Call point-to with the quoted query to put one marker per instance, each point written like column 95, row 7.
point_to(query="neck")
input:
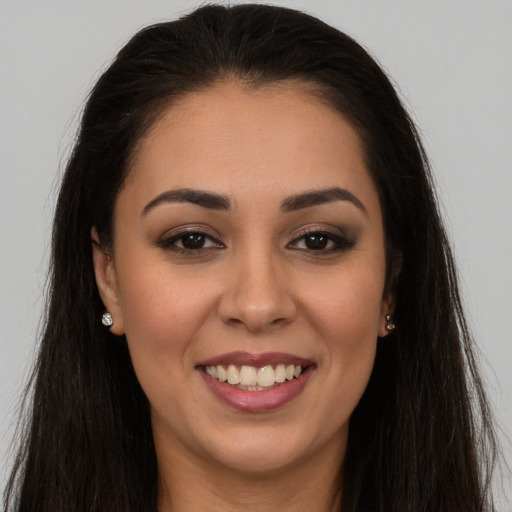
column 189, row 484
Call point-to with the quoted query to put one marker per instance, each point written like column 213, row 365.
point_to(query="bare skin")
column 258, row 265
column 309, row 485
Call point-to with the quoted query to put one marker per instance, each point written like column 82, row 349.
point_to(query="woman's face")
column 249, row 242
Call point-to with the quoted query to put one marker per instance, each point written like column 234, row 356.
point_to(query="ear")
column 389, row 299
column 386, row 317
column 106, row 280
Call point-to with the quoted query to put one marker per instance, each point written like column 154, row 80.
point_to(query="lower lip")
column 258, row 400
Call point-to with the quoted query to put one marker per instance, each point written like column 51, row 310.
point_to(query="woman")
column 253, row 303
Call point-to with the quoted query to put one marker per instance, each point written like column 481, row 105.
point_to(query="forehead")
column 236, row 138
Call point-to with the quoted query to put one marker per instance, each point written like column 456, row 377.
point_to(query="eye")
column 320, row 242
column 189, row 241
column 317, row 241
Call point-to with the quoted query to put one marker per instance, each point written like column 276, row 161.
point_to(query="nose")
column 257, row 295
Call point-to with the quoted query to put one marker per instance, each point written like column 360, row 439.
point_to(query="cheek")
column 162, row 318
column 347, row 304
column 347, row 314
column 162, row 314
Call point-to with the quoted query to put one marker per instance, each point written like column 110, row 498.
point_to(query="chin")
column 258, row 461
column 256, row 452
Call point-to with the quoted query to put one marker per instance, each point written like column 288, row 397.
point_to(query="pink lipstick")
column 256, row 382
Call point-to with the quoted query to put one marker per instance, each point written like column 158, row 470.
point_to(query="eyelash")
column 170, row 242
column 340, row 242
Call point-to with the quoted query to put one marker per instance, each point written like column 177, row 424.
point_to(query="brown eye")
column 193, row 241
column 316, row 241
column 321, row 243
column 190, row 241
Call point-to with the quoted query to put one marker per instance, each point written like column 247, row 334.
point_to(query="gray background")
column 453, row 65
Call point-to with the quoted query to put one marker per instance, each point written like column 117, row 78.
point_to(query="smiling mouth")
column 253, row 378
column 256, row 382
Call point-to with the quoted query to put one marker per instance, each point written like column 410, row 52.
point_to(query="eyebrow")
column 188, row 195
column 318, row 197
column 214, row 201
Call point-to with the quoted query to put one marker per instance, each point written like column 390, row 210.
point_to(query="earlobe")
column 387, row 324
column 106, row 280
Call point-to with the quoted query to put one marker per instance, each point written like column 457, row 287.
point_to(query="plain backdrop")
column 451, row 60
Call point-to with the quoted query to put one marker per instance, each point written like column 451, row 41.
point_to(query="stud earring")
column 107, row 320
column 389, row 323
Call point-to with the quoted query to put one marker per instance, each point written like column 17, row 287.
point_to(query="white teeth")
column 233, row 375
column 266, row 376
column 252, row 378
column 248, row 376
column 222, row 374
column 280, row 373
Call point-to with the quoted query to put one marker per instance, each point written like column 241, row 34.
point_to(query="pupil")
column 193, row 241
column 316, row 241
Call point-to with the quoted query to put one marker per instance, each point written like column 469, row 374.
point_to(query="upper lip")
column 257, row 360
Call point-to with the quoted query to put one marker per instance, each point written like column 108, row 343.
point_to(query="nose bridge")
column 256, row 293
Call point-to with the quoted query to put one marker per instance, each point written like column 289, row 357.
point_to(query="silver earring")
column 389, row 323
column 107, row 320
